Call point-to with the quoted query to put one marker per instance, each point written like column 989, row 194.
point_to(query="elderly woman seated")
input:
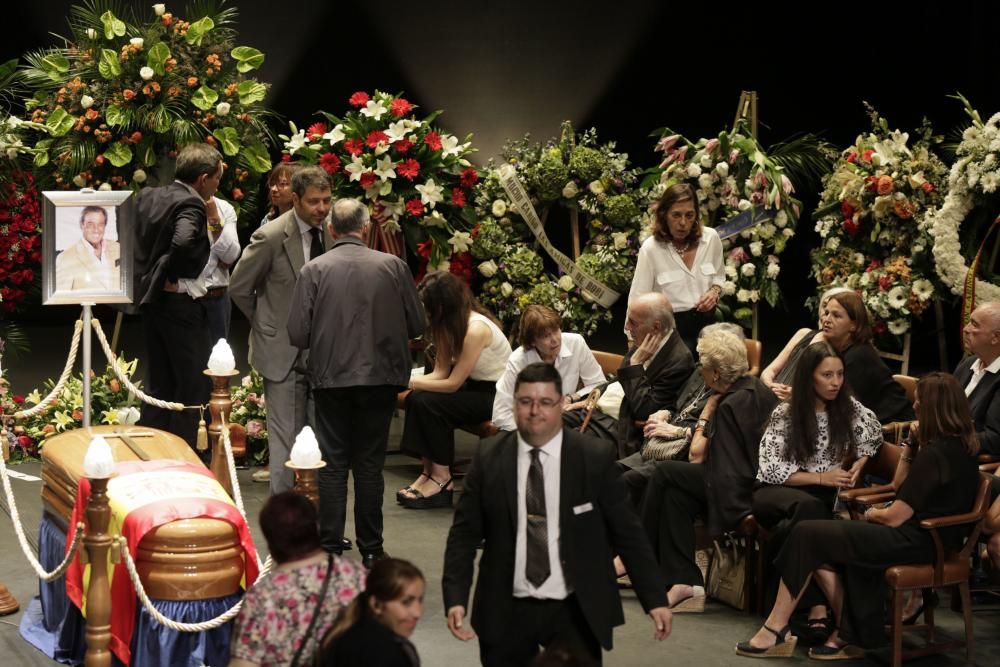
column 716, row 482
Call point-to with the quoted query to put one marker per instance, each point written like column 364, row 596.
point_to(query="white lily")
column 393, row 209
column 397, row 130
column 296, row 142
column 336, row 135
column 430, row 192
column 384, row 169
column 460, row 242
column 355, row 168
column 451, row 146
column 374, row 109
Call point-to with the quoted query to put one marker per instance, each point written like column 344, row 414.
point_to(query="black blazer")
column 588, row 540
column 984, row 404
column 171, row 239
column 647, row 391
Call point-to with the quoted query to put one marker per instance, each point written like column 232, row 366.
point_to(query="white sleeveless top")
column 493, row 359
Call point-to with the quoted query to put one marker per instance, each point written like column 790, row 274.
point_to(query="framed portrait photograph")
column 87, row 247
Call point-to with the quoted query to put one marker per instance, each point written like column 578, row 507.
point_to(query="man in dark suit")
column 355, row 309
column 550, row 510
column 172, row 246
column 978, row 373
column 261, row 286
column 655, row 370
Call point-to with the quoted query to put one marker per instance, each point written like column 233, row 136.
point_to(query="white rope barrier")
column 237, row 493
column 25, row 547
column 57, row 389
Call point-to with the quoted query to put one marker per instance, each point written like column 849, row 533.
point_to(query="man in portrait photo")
column 94, row 262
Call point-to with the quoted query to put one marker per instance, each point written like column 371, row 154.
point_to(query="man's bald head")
column 982, row 333
column 648, row 314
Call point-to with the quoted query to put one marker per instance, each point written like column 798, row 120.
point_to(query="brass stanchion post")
column 221, row 403
column 97, row 543
column 306, row 480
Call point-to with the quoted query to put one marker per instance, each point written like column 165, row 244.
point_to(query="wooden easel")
column 747, row 109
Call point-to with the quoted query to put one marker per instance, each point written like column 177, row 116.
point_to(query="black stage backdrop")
column 500, row 69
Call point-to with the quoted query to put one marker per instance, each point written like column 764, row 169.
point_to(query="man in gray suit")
column 261, row 286
column 355, row 309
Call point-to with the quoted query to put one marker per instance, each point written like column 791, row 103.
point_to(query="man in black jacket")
column 172, row 247
column 978, row 374
column 550, row 510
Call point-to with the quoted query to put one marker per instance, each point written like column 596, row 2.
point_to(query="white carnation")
column 722, row 169
column 693, row 171
column 731, row 271
column 705, row 161
column 781, row 219
column 566, row 283
column 756, row 248
column 499, row 208
column 570, row 190
column 773, row 269
column 705, row 181
column 766, row 230
column 728, row 288
column 748, row 270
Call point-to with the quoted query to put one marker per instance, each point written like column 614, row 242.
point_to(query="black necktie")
column 316, row 247
column 537, row 569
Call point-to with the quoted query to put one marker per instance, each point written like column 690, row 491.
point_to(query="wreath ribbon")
column 969, row 291
column 591, row 287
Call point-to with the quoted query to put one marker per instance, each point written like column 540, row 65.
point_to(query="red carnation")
column 376, row 137
column 316, row 131
column 927, row 187
column 851, row 227
column 402, row 146
column 415, row 207
column 433, row 139
column 359, row 99
column 458, row 197
column 423, row 249
column 354, row 146
column 400, row 107
column 368, row 179
column 867, row 155
column 408, row 169
column 852, row 157
column 329, row 162
column 469, row 177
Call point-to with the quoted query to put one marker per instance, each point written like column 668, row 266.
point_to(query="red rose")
column 469, row 177
column 847, row 210
column 24, row 441
column 354, row 146
column 851, row 227
column 927, row 187
column 368, row 179
column 359, row 99
column 415, row 207
column 433, row 139
column 904, row 209
column 375, row 138
column 329, row 162
column 852, row 157
column 402, row 146
column 286, row 158
column 408, row 169
column 17, row 398
column 884, row 283
column 316, row 131
column 458, row 197
column 400, row 107
column 872, row 182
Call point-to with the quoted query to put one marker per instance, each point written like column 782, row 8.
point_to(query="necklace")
column 687, row 412
column 680, row 251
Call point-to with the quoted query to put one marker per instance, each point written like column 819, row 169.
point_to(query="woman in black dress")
column 375, row 629
column 848, row 558
column 814, row 444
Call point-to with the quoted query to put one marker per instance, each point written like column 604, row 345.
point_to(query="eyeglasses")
column 543, row 403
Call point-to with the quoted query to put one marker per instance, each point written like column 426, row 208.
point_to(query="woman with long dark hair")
column 814, row 444
column 848, row 559
column 470, row 354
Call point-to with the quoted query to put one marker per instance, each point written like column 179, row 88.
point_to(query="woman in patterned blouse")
column 276, row 626
column 814, row 444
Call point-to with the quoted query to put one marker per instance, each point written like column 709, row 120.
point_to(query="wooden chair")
column 754, row 349
column 946, row 570
column 882, row 466
column 609, row 362
column 909, row 385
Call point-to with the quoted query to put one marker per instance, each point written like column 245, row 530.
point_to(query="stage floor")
column 705, row 639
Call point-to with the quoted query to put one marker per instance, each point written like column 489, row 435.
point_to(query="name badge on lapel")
column 586, row 507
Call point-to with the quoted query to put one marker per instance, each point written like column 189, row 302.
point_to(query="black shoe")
column 931, row 600
column 368, row 560
column 347, row 545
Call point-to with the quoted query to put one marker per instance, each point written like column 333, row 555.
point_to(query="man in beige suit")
column 261, row 286
column 92, row 263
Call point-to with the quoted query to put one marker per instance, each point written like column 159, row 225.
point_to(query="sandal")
column 783, row 648
column 693, row 604
column 818, row 630
column 419, row 501
column 845, row 652
column 409, row 489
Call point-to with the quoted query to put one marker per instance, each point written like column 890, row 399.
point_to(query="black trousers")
column 219, row 310
column 690, row 323
column 675, row 497
column 635, row 475
column 431, row 419
column 177, row 347
column 352, row 426
column 542, row 623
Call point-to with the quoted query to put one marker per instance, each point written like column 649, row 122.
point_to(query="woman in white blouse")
column 542, row 339
column 683, row 260
column 814, row 444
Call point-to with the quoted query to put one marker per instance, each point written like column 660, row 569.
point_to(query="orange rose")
column 885, row 185
column 48, row 428
column 192, row 81
column 903, row 209
column 128, row 94
column 115, row 385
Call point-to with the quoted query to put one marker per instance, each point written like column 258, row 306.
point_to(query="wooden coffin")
column 188, row 559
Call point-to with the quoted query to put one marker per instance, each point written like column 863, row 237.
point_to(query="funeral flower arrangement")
column 20, row 236
column 126, row 93
column 973, row 182
column 871, row 222
column 250, row 410
column 416, row 179
column 734, row 176
column 111, row 403
column 576, row 174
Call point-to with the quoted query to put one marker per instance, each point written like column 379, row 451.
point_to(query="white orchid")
column 355, row 168
column 430, row 193
column 374, row 109
column 460, row 242
column 336, row 135
column 384, row 169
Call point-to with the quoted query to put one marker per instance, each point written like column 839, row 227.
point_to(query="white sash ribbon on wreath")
column 591, row 287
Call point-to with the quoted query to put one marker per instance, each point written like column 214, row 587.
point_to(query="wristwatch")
column 700, row 425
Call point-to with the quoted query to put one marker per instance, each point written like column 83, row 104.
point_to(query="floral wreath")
column 732, row 175
column 579, row 175
column 872, row 224
column 975, row 174
column 416, row 179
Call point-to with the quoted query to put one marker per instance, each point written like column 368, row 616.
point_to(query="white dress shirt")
column 660, row 269
column 225, row 249
column 978, row 371
column 555, row 587
column 575, row 363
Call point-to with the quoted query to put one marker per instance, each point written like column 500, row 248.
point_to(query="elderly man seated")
column 978, row 374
